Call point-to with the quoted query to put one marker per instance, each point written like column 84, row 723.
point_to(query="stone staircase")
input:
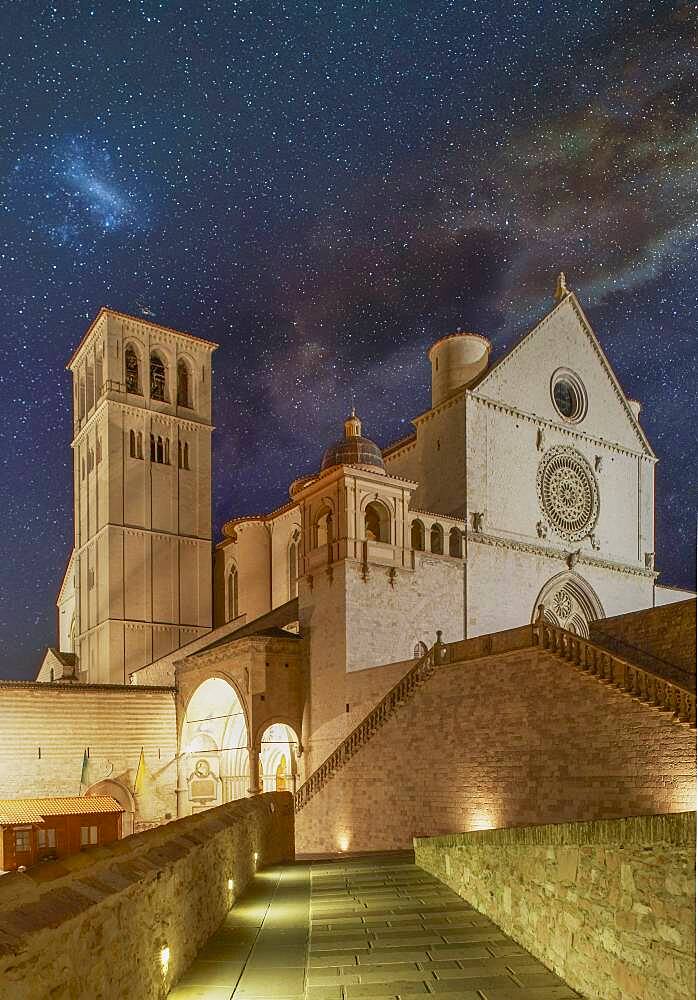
column 358, row 737
column 610, row 668
column 589, row 657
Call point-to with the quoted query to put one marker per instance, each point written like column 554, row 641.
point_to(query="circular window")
column 568, row 494
column 569, row 395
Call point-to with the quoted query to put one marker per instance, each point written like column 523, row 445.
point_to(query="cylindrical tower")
column 456, row 361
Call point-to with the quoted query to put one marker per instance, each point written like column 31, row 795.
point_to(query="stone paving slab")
column 361, row 929
column 401, row 934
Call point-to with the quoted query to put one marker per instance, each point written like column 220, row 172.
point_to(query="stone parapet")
column 608, row 905
column 127, row 920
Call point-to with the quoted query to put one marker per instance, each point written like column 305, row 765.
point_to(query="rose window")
column 568, row 493
column 562, row 605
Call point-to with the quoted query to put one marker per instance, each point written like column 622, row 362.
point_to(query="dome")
column 353, row 449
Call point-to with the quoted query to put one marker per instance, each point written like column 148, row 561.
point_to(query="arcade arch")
column 123, row 796
column 278, row 758
column 214, row 748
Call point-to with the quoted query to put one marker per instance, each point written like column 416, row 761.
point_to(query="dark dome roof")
column 353, row 449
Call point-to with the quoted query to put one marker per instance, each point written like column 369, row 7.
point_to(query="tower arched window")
column 233, row 607
column 152, row 447
column 323, row 527
column 183, row 384
column 167, row 451
column 437, row 539
column 179, row 455
column 186, row 454
column 139, row 444
column 418, row 535
column 90, row 387
column 159, row 451
column 158, row 378
column 455, row 543
column 133, row 375
column 377, row 522
column 132, row 444
column 293, row 570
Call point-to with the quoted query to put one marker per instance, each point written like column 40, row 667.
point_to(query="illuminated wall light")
column 256, row 858
column 231, row 885
column 343, row 842
column 165, row 959
column 482, row 821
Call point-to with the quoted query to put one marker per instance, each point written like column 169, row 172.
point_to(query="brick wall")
column 508, row 739
column 94, row 925
column 662, row 638
column 609, row 906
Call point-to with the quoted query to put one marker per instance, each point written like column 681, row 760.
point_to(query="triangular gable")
column 564, row 339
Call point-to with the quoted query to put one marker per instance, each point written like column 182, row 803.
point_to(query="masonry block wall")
column 662, row 635
column 609, row 906
column 505, row 740
column 95, row 925
column 48, row 728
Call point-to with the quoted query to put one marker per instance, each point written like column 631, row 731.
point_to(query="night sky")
column 325, row 189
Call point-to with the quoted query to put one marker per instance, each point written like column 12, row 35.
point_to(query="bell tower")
column 142, row 493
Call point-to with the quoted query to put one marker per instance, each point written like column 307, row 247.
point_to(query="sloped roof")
column 67, row 659
column 36, row 810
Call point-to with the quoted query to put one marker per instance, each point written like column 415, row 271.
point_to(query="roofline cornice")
column 106, row 311
column 563, row 429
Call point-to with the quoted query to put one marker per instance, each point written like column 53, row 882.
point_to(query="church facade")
column 526, row 491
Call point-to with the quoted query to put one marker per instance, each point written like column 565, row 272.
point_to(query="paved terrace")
column 361, row 929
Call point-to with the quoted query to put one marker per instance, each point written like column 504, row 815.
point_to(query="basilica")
column 525, row 493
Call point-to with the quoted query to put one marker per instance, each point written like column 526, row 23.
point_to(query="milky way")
column 324, row 190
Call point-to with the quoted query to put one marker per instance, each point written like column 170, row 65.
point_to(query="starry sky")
column 325, row 189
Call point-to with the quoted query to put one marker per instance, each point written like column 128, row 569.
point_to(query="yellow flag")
column 141, row 773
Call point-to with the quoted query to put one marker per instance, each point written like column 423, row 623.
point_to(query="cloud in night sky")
column 74, row 191
column 604, row 189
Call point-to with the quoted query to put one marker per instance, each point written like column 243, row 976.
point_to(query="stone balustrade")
column 666, row 695
column 359, row 736
column 599, row 662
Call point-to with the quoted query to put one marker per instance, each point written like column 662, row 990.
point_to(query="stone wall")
column 609, row 906
column 507, row 739
column 94, row 926
column 47, row 729
column 660, row 638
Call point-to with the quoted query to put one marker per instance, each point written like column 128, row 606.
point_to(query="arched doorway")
column 567, row 600
column 214, row 756
column 278, row 758
column 123, row 796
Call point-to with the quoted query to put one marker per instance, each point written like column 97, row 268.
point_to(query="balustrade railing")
column 612, row 669
column 608, row 667
column 377, row 717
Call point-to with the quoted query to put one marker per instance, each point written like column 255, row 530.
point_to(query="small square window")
column 23, row 841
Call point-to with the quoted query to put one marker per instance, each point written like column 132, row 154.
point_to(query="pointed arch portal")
column 567, row 600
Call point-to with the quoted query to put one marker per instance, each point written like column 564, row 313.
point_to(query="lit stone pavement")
column 370, row 928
